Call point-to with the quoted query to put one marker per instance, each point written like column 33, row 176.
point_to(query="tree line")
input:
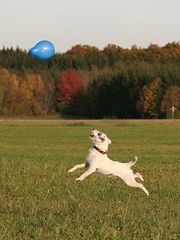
column 88, row 82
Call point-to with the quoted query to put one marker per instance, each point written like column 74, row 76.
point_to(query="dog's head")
column 100, row 139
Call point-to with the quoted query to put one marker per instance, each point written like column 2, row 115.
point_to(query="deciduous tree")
column 147, row 102
column 70, row 85
column 171, row 98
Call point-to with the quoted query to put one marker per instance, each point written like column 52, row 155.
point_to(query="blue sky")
column 93, row 22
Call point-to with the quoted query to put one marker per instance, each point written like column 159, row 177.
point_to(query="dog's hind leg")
column 133, row 183
column 138, row 175
column 140, row 185
column 83, row 165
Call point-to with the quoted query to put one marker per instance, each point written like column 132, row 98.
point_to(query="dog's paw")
column 147, row 193
column 79, row 179
column 70, row 170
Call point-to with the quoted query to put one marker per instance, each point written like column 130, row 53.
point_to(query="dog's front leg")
column 87, row 173
column 77, row 167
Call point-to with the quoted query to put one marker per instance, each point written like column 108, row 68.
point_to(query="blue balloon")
column 43, row 49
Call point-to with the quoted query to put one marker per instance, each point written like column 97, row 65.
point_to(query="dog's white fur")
column 97, row 160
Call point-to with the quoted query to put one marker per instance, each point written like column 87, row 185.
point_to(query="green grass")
column 40, row 200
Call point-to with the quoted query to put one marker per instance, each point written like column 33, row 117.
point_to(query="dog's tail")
column 134, row 161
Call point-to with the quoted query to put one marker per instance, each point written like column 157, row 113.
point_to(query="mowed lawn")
column 39, row 199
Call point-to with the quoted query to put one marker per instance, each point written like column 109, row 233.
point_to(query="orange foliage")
column 29, row 95
column 147, row 99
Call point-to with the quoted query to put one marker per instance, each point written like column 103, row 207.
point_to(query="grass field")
column 40, row 200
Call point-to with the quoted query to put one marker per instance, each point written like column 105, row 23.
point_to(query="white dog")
column 97, row 160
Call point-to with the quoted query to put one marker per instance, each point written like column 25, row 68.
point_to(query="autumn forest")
column 87, row 82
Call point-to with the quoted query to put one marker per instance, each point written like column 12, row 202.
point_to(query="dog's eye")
column 99, row 134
